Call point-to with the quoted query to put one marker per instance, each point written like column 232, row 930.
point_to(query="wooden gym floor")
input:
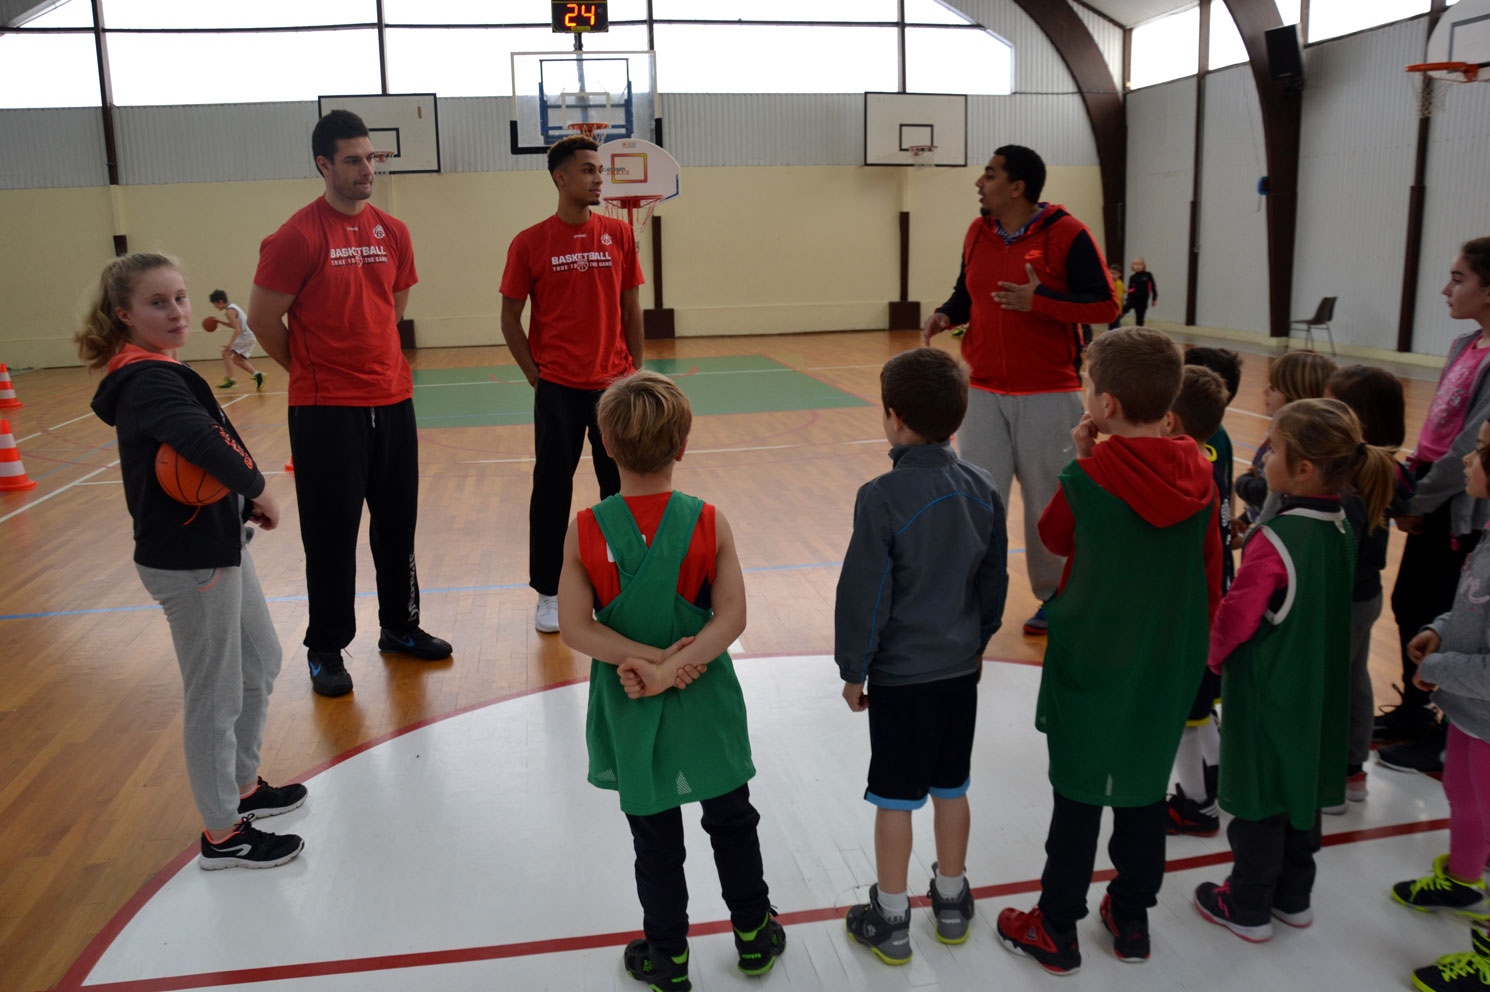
column 93, row 794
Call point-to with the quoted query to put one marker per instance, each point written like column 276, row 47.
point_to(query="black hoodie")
column 149, row 399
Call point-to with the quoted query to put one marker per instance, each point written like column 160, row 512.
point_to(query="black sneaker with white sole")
column 328, row 673
column 415, row 643
column 249, row 847
column 1425, row 755
column 271, row 800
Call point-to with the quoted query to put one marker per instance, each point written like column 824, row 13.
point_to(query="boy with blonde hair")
column 651, row 589
column 921, row 592
column 1135, row 519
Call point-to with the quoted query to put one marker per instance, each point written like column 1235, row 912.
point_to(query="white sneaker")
column 546, row 617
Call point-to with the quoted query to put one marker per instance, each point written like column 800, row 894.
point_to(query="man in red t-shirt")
column 581, row 270
column 340, row 270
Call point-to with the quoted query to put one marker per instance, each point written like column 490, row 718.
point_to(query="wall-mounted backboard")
column 552, row 90
column 895, row 122
column 406, row 124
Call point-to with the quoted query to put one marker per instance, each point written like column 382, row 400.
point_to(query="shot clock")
column 577, row 18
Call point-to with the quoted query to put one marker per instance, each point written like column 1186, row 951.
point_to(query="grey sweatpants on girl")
column 229, row 656
column 1362, row 700
column 1028, row 437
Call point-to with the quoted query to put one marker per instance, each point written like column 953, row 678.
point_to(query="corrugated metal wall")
column 1359, row 138
column 1161, row 153
column 217, row 143
column 52, row 148
column 1232, row 287
column 1109, row 38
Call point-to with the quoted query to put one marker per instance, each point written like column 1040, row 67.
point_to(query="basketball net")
column 588, row 128
column 383, row 179
column 922, row 156
column 634, row 210
column 1432, row 92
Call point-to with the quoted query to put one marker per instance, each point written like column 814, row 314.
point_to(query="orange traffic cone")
column 8, row 399
column 290, row 465
column 12, row 472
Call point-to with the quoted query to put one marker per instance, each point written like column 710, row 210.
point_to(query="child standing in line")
column 921, row 592
column 1297, row 375
column 1283, row 637
column 1124, row 659
column 193, row 560
column 236, row 353
column 1376, row 398
column 651, row 589
column 1453, row 658
column 1197, row 415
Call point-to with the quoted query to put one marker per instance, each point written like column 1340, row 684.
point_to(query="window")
column 775, row 10
column 181, row 14
column 1332, row 18
column 946, row 60
column 48, row 70
column 1167, row 48
column 1226, row 45
column 701, row 58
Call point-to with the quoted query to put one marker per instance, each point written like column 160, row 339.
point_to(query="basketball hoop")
column 635, row 210
column 922, row 156
column 588, row 128
column 1430, row 97
column 381, row 161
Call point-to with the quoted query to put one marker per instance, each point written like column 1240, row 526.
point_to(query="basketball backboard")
column 552, row 90
column 1462, row 35
column 894, row 123
column 406, row 124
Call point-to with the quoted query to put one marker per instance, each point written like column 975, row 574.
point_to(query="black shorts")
column 1205, row 699
column 921, row 741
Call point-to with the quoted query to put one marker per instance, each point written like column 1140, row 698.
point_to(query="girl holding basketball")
column 175, row 444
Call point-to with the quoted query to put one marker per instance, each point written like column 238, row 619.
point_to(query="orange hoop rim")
column 588, row 128
column 633, row 202
column 1469, row 70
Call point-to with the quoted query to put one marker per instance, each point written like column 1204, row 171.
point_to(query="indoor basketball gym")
column 800, row 175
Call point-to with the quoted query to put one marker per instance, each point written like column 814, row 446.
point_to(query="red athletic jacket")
column 1040, row 351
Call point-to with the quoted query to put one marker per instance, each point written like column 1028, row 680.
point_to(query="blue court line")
column 363, row 595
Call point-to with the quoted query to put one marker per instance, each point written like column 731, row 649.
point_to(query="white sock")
column 949, row 887
column 1210, row 741
column 1187, row 765
column 894, row 906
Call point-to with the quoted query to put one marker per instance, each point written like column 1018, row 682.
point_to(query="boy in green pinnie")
column 652, row 591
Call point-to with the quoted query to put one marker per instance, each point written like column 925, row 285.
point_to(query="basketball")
column 185, row 482
column 209, row 324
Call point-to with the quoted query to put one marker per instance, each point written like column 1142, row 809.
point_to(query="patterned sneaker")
column 1130, row 942
column 258, row 382
column 249, row 847
column 952, row 915
column 328, row 673
column 227, row 384
column 1036, row 626
column 1213, row 902
column 1187, row 816
column 759, row 948
column 1466, row 972
column 1441, row 891
column 661, row 972
column 416, row 643
column 890, row 942
column 1025, row 933
column 271, row 800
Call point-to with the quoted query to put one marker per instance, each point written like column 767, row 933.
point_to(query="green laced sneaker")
column 1441, row 891
column 661, row 972
column 759, row 948
column 1466, row 972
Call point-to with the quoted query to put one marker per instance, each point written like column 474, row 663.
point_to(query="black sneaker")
column 271, row 800
column 890, row 942
column 661, row 972
column 258, row 382
column 1425, row 755
column 1025, row 933
column 1402, row 723
column 328, row 673
column 416, row 643
column 759, row 948
column 249, row 847
column 1213, row 902
column 1466, row 972
column 1130, row 940
column 1440, row 890
column 953, row 916
column 1187, row 816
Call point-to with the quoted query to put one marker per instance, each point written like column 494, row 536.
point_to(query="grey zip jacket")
column 924, row 578
column 1461, row 665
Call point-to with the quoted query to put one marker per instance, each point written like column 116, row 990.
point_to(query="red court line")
column 495, row 952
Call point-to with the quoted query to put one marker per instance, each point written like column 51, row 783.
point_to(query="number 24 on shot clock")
column 572, row 18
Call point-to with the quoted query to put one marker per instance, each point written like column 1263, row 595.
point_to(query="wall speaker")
column 1285, row 60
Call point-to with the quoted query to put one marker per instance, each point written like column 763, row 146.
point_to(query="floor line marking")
column 42, row 499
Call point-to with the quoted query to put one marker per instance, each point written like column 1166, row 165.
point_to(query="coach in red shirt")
column 581, row 271
column 340, row 270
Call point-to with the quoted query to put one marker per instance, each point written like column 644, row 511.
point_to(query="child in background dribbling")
column 1297, row 375
column 193, row 560
column 651, row 589
column 1375, row 395
column 1197, row 414
column 1281, row 641
column 1453, row 658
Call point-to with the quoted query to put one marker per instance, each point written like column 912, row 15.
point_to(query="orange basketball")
column 209, row 324
column 185, row 482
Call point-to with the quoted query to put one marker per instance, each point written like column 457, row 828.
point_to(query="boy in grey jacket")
column 921, row 592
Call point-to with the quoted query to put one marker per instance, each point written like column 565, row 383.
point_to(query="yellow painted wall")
column 748, row 250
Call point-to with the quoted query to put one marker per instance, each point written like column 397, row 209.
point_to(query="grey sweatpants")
column 1362, row 701
column 229, row 656
column 1028, row 437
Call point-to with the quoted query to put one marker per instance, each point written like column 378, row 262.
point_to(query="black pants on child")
column 1274, row 867
column 1427, row 579
column 1136, row 849
column 662, row 887
column 562, row 417
column 345, row 456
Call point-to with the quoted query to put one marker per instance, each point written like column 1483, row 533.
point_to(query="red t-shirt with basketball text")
column 575, row 275
column 343, row 271
column 694, row 578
